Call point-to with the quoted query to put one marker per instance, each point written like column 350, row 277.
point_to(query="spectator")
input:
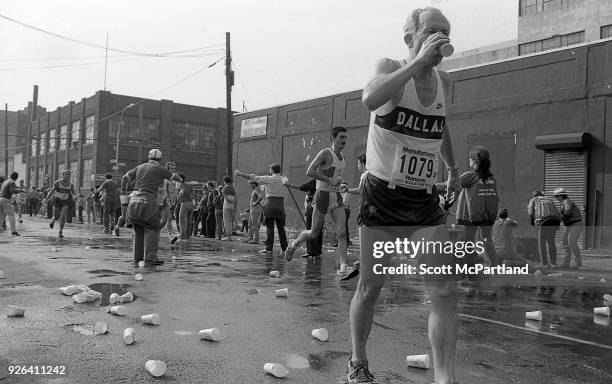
column 211, row 221
column 543, row 213
column 478, row 201
column 202, row 213
column 255, row 207
column 229, row 200
column 572, row 223
column 185, row 198
column 314, row 247
column 90, row 207
column 502, row 235
column 218, row 203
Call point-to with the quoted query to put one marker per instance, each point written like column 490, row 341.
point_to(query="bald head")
column 414, row 22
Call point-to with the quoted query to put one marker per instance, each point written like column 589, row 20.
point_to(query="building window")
column 87, row 173
column 50, row 176
column 33, row 182
column 63, row 137
column 549, row 4
column 551, row 43
column 74, row 173
column 61, row 167
column 76, row 131
column 52, row 138
column 34, row 147
column 528, row 7
column 90, row 121
column 195, row 137
column 42, row 148
column 606, row 31
column 41, row 177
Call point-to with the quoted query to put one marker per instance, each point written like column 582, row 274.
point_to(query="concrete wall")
column 578, row 15
column 503, row 106
column 482, row 55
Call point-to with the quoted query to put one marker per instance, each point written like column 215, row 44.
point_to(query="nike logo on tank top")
column 404, row 141
column 336, row 169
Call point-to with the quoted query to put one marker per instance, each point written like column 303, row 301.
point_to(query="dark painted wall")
column 503, row 106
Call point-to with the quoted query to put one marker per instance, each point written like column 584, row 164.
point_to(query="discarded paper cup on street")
column 128, row 336
column 533, row 324
column 534, row 315
column 117, row 310
column 320, row 333
column 15, row 311
column 73, row 289
column 155, row 367
column 100, row 328
column 607, row 297
column 418, row 361
column 152, row 319
column 274, row 274
column 602, row 311
column 211, row 334
column 275, row 370
column 141, row 263
column 138, row 276
column 601, row 320
column 86, row 297
column 603, row 280
column 114, row 298
column 126, row 298
column 282, row 292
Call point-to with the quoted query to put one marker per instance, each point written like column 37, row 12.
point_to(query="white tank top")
column 404, row 141
column 336, row 169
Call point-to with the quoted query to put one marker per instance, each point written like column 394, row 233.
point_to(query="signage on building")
column 253, row 127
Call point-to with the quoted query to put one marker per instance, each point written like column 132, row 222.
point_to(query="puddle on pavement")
column 108, row 272
column 83, row 329
column 109, row 288
column 315, row 361
column 297, row 361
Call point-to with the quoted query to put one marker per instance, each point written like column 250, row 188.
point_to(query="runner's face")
column 360, row 166
column 432, row 22
column 340, row 140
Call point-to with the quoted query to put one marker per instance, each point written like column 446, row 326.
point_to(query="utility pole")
column 105, row 61
column 229, row 82
column 33, row 116
column 139, row 136
column 6, row 139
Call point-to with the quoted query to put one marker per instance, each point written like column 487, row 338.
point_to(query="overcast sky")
column 283, row 50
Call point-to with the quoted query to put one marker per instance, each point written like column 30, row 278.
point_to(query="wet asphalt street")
column 206, row 284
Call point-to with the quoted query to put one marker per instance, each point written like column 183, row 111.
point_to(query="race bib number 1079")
column 415, row 168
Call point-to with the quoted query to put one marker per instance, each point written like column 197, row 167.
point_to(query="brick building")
column 81, row 136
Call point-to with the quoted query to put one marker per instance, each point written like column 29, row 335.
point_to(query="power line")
column 97, row 45
column 240, row 81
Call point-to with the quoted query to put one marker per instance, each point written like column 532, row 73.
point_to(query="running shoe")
column 358, row 373
column 60, row 235
column 117, row 231
column 51, row 224
column 15, row 234
column 174, row 239
column 253, row 242
column 347, row 273
column 290, row 251
column 265, row 252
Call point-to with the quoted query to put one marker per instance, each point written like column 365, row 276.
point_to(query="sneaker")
column 358, row 373
column 347, row 273
column 265, row 252
column 60, row 235
column 15, row 234
column 290, row 251
column 307, row 255
column 117, row 231
column 253, row 242
column 51, row 224
column 174, row 239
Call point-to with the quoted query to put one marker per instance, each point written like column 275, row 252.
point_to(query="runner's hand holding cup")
column 431, row 47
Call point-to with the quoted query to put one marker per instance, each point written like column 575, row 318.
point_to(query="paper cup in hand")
column 138, row 276
column 15, row 311
column 211, row 334
column 275, row 370
column 282, row 292
column 100, row 328
column 152, row 319
column 274, row 274
column 320, row 333
column 128, row 336
column 113, row 298
column 155, row 367
column 535, row 315
column 602, row 311
column 418, row 361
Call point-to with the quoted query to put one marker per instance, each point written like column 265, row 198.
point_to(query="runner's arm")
column 446, row 150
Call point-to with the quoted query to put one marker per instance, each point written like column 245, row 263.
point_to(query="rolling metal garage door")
column 567, row 169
